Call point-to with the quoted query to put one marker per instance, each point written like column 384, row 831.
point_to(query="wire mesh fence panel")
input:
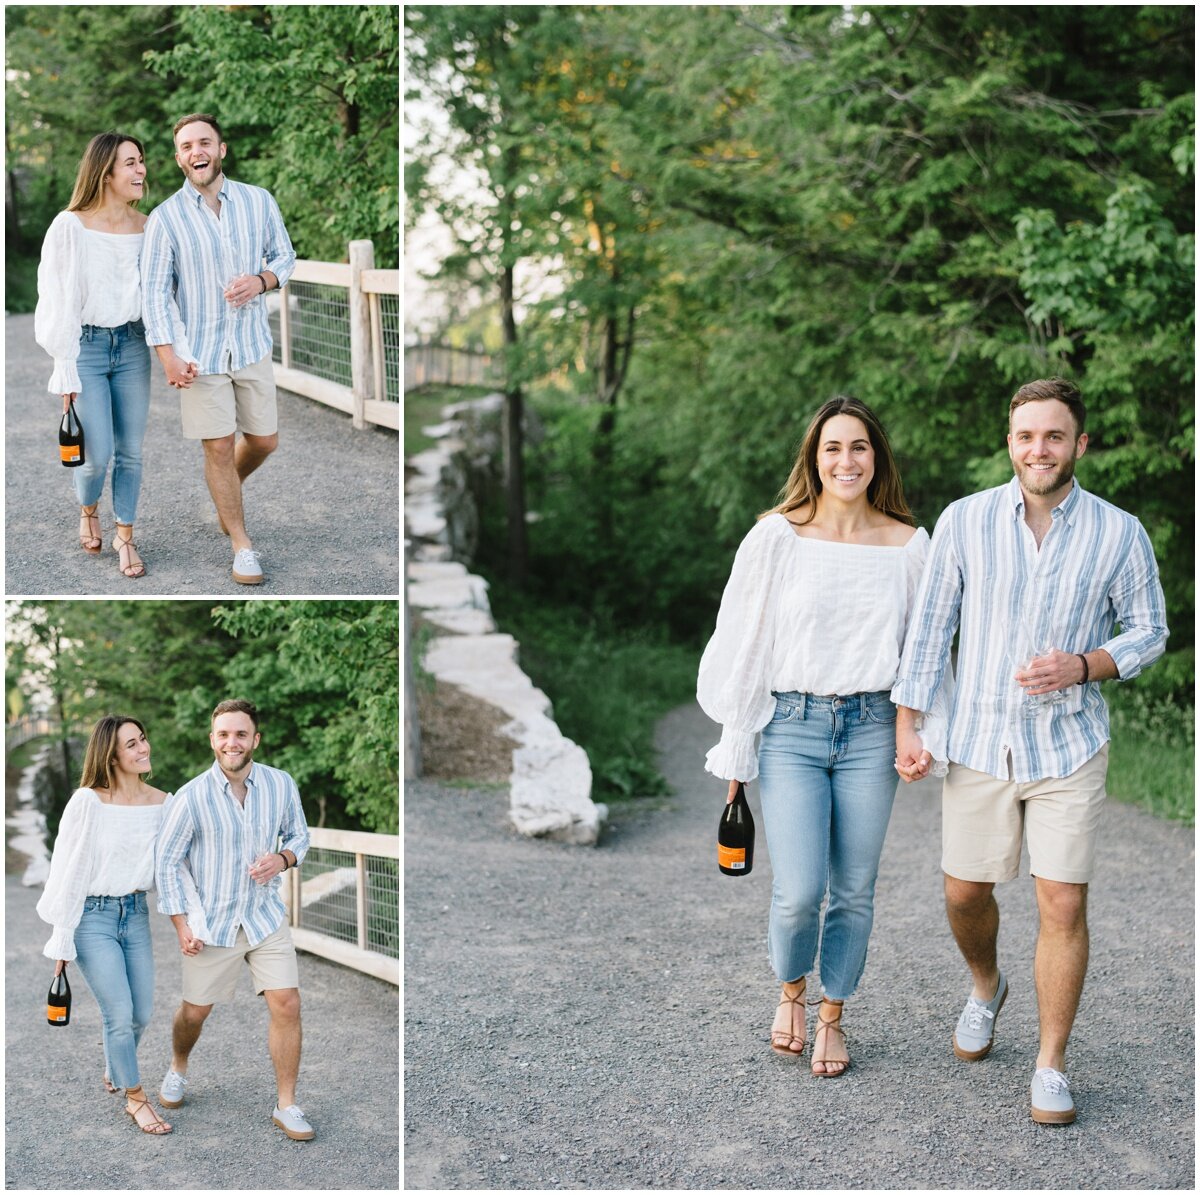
column 319, row 319
column 389, row 313
column 329, row 894
column 329, row 898
column 383, row 906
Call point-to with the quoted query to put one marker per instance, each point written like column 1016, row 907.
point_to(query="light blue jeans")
column 113, row 406
column 113, row 950
column 826, row 783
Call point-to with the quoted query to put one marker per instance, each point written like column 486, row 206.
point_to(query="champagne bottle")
column 735, row 836
column 58, row 1002
column 70, row 438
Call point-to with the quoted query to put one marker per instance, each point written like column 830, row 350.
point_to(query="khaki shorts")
column 212, row 974
column 219, row 404
column 983, row 819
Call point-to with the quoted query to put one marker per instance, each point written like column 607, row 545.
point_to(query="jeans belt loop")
column 862, row 707
column 801, row 706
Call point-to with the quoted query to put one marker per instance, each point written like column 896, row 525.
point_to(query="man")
column 1028, row 739
column 217, row 246
column 224, row 824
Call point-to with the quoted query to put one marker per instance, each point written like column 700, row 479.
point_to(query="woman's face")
column 133, row 750
column 127, row 179
column 845, row 458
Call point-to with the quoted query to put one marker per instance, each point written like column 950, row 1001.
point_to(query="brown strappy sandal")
column 836, row 1026
column 129, row 567
column 93, row 545
column 157, row 1127
column 109, row 1087
column 785, row 1046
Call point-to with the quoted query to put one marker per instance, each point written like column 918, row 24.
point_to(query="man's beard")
column 1045, row 483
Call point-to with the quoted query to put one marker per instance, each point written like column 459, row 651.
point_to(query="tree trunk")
column 514, row 463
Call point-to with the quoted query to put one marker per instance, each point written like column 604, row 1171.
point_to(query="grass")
column 609, row 687
column 423, row 407
column 20, row 284
column 1151, row 762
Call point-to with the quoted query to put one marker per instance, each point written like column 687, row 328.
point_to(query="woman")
column 96, row 897
column 89, row 319
column 806, row 650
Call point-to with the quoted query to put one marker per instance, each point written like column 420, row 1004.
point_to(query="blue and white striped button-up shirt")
column 1095, row 568
column 205, row 824
column 192, row 254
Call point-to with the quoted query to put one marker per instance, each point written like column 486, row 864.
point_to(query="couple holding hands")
column 215, row 850
column 189, row 281
column 833, row 643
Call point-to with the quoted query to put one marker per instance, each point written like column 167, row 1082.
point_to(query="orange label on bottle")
column 731, row 856
column 54, row 1013
column 69, row 452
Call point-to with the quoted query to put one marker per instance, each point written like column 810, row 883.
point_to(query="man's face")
column 1043, row 446
column 199, row 152
column 233, row 741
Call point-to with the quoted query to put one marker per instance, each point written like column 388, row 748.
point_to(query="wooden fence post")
column 362, row 257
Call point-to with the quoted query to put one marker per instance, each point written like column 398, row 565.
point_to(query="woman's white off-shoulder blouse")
column 87, row 277
column 101, row 850
column 811, row 616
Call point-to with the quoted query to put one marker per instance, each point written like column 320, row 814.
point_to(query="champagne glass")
column 1033, row 635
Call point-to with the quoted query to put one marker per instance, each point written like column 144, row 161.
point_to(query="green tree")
column 309, row 100
column 326, row 678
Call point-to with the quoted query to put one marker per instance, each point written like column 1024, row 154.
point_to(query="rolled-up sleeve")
column 295, row 826
column 278, row 251
column 157, row 268
column 931, row 629
column 174, row 838
column 1137, row 599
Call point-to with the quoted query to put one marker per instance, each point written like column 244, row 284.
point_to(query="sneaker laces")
column 1053, row 1081
column 975, row 1012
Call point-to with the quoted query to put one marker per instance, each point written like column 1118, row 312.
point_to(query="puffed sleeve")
column 56, row 319
column 933, row 726
column 71, row 865
column 734, row 687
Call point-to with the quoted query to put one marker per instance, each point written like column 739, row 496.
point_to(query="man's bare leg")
column 974, row 920
column 283, row 1040
column 1059, row 965
column 251, row 451
column 225, row 486
column 185, row 1032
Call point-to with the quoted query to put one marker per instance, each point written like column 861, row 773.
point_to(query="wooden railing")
column 443, row 365
column 365, row 398
column 345, row 922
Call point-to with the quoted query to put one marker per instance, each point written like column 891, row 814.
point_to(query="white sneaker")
column 171, row 1092
column 246, row 569
column 291, row 1121
column 1050, row 1094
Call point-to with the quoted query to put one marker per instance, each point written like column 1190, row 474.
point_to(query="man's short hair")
column 1066, row 392
column 204, row 116
column 236, row 706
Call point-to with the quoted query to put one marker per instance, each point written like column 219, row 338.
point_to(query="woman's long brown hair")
column 884, row 492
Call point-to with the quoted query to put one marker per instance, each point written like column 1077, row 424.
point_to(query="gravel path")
column 63, row 1132
column 324, row 511
column 597, row 1018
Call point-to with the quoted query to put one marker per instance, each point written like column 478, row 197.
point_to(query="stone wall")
column 551, row 782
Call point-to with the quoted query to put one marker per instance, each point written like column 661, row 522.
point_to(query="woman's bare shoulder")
column 897, row 534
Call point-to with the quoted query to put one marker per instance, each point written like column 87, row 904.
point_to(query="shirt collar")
column 1064, row 510
column 223, row 780
column 196, row 198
